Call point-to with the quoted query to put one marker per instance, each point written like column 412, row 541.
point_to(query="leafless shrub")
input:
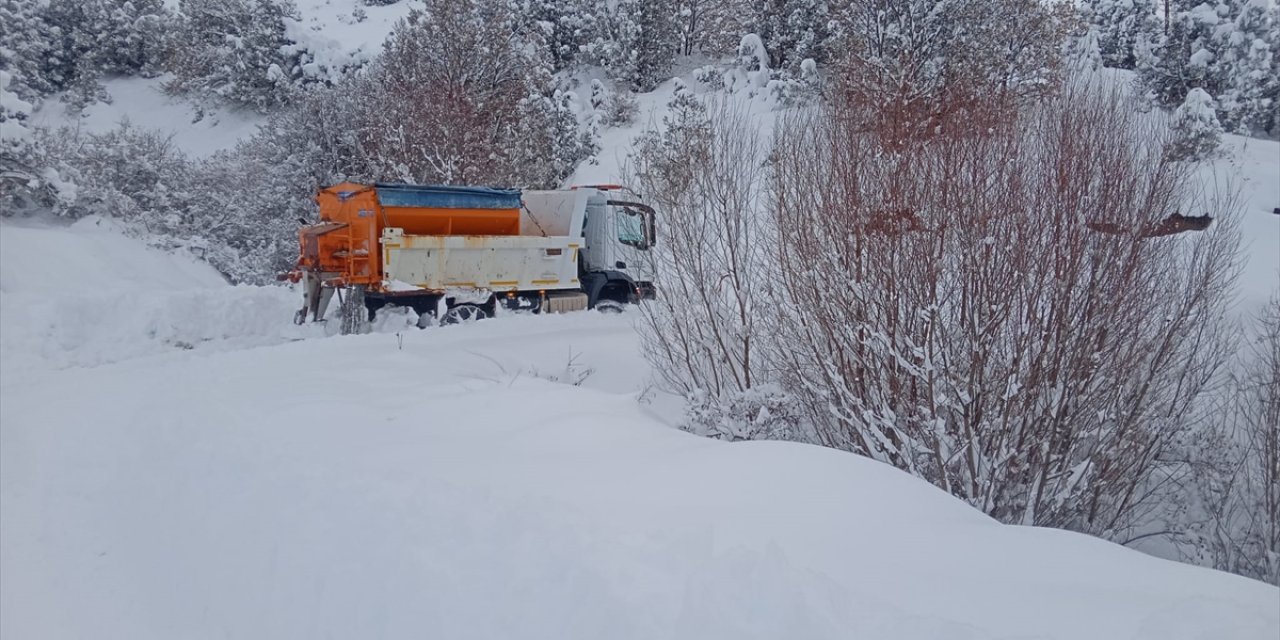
column 1239, row 486
column 1260, row 434
column 914, row 63
column 705, row 332
column 953, row 314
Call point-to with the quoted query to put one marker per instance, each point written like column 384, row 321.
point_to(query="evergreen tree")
column 567, row 26
column 639, row 42
column 1246, row 63
column 1121, row 26
column 1197, row 128
column 1179, row 60
column 25, row 50
column 1226, row 49
column 793, row 30
column 709, row 26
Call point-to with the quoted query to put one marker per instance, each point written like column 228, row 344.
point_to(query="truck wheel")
column 355, row 316
column 463, row 314
column 609, row 306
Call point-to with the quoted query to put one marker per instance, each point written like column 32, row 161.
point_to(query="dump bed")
column 543, row 257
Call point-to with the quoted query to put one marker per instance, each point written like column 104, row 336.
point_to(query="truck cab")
column 618, row 233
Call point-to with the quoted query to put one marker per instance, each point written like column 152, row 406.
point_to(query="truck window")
column 632, row 227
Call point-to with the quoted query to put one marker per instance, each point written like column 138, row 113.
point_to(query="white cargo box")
column 544, row 257
column 496, row 263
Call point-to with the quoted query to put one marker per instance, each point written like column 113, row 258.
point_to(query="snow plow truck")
column 455, row 254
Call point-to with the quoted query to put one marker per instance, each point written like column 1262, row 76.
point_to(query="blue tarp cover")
column 443, row 197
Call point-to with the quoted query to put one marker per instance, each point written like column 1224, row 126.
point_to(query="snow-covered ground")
column 453, row 482
column 1253, row 167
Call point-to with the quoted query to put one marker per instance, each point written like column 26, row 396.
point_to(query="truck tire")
column 464, row 314
column 355, row 316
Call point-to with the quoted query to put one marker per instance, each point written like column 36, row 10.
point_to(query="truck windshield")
column 634, row 223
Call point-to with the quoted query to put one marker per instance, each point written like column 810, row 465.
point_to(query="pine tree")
column 1180, row 59
column 25, row 50
column 568, row 26
column 638, row 42
column 1197, row 128
column 793, row 30
column 1121, row 25
column 709, row 26
column 1226, row 49
column 1246, row 63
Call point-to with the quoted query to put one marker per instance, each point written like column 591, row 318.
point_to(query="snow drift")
column 89, row 295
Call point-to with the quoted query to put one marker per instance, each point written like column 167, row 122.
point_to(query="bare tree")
column 463, row 95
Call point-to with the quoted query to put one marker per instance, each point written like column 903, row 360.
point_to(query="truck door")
column 632, row 235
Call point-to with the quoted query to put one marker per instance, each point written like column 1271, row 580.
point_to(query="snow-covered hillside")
column 453, row 482
column 329, row 29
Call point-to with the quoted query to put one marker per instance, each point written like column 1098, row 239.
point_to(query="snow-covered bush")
column 750, row 71
column 1195, row 125
column 234, row 50
column 1120, row 27
column 613, row 108
column 637, row 42
column 1232, row 521
column 68, row 45
column 763, row 412
column 1229, row 49
column 1255, row 539
column 709, row 76
column 21, row 187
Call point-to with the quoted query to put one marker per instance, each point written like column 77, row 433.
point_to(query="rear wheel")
column 355, row 316
column 464, row 314
column 609, row 306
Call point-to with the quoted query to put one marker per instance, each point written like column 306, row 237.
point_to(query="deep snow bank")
column 88, row 295
column 364, row 487
column 1253, row 167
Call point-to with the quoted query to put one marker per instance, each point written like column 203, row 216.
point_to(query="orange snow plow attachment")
column 343, row 248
